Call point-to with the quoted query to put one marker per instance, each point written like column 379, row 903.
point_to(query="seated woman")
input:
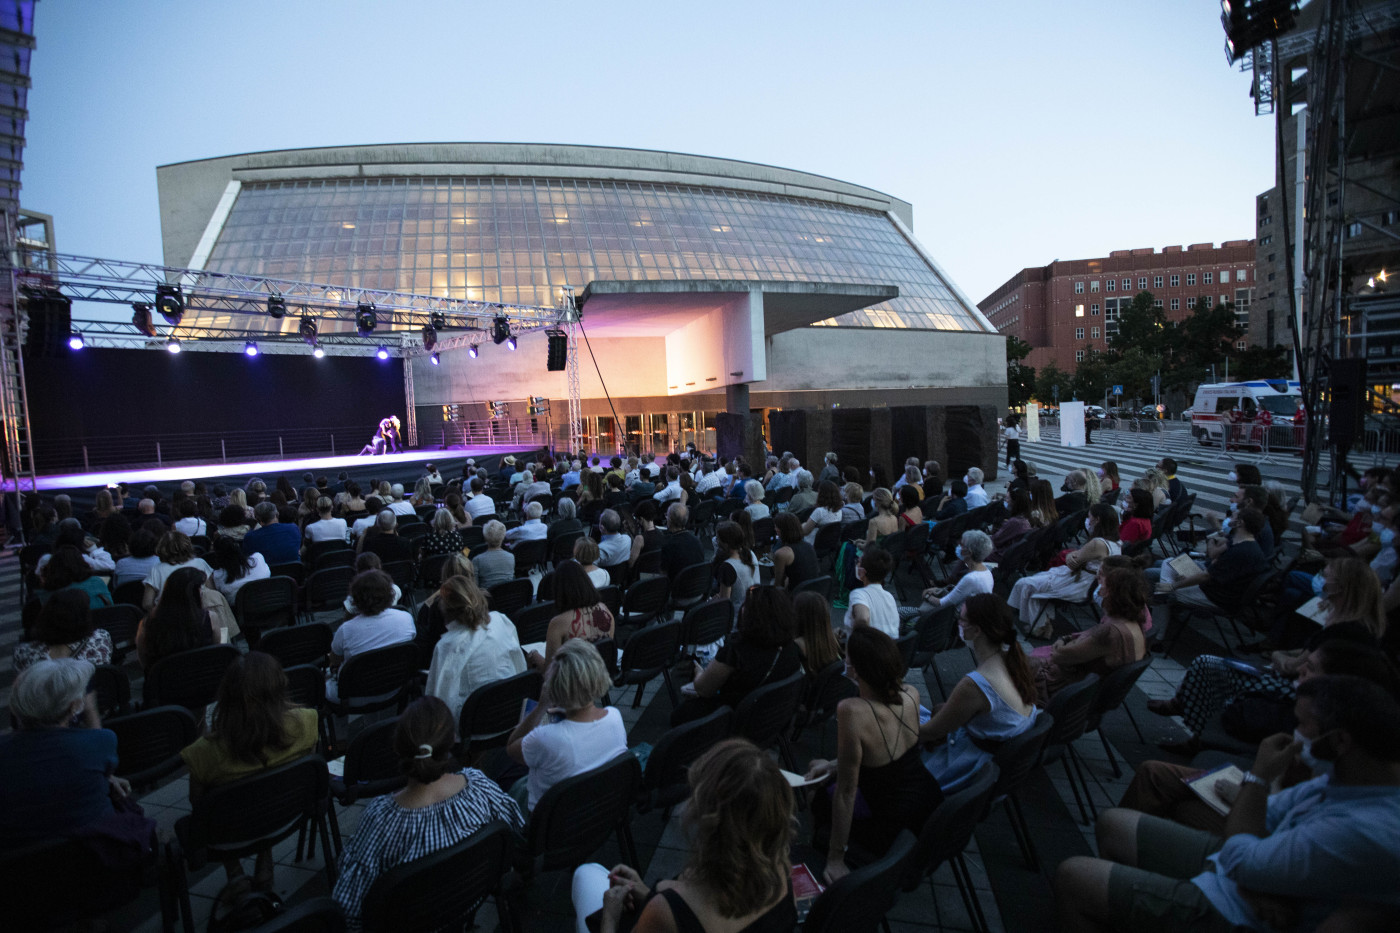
column 994, row 703
column 64, row 630
column 1137, row 524
column 1014, row 527
column 71, row 533
column 740, row 821
column 795, row 561
column 578, row 735
column 972, row 552
column 736, row 567
column 478, row 648
column 176, row 552
column 444, row 538
column 177, row 622
column 255, row 728
column 870, row 603
column 753, row 500
column 55, row 775
column 233, row 569
column 1355, row 613
column 579, row 613
column 816, row 639
column 1020, row 477
column 909, row 512
column 1043, row 511
column 761, row 651
column 440, row 807
column 139, row 559
column 495, row 564
column 647, row 538
column 826, row 512
column 884, row 521
column 66, row 570
column 1109, row 481
column 233, row 521
column 1116, row 641
column 877, row 740
column 853, row 507
column 586, row 555
column 1072, row 580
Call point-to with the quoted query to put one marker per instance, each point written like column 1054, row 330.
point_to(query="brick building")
column 1066, row 308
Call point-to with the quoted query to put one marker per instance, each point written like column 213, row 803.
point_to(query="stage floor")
column 269, row 470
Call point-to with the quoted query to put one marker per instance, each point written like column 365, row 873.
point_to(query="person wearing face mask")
column 976, row 495
column 1286, row 860
column 877, row 755
column 1116, row 641
column 972, row 551
column 1159, row 788
column 1072, row 498
column 870, row 603
column 1072, row 580
column 993, row 703
column 1109, row 481
column 1355, row 613
column 1137, row 520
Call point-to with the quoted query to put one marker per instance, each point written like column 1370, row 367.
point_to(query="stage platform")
column 393, row 467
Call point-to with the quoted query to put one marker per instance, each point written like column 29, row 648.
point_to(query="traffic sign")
column 1117, row 390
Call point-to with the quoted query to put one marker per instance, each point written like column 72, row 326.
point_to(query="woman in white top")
column 70, row 531
column 479, row 647
column 870, row 604
column 233, row 569
column 579, row 735
column 753, row 497
column 326, row 528
column 827, row 512
column 1072, row 580
column 854, row 509
column 189, row 521
column 972, row 552
column 175, row 552
column 736, row 567
column 586, row 553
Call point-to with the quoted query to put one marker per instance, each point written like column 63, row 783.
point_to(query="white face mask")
column 1234, row 478
column 1318, row 766
column 962, row 635
column 1089, row 525
column 957, row 551
column 967, row 479
column 1226, row 525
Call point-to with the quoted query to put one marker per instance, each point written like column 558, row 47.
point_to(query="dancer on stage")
column 386, row 438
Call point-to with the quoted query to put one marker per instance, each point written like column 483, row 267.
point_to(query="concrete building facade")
column 1068, row 308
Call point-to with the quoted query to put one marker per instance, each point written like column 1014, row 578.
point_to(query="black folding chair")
column 188, row 678
column 308, row 643
column 859, row 902
column 443, row 890
column 265, row 604
column 1113, row 694
column 511, row 596
column 532, row 622
column 643, row 602
column 575, row 817
column 650, row 651
column 120, row 621
column 492, row 712
column 665, row 782
column 690, row 587
column 326, row 590
column 1015, row 759
column 707, row 623
column 1070, row 708
column 529, row 555
column 113, row 689
column 946, row 834
column 149, row 743
column 375, row 680
column 765, row 716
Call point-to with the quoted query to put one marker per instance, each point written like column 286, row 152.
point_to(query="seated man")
column 276, row 542
column 1221, row 586
column 532, row 529
column 479, row 505
column 1287, row 861
column 615, row 547
column 679, row 548
column 1074, row 498
column 954, row 503
column 672, row 489
column 976, row 495
column 384, row 539
column 1176, row 489
column 400, row 505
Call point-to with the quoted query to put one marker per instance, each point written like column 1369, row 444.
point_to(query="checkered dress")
column 389, row 835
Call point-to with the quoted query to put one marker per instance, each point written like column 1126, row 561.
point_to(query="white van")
column 1214, row 402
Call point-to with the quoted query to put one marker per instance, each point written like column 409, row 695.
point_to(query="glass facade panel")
column 519, row 239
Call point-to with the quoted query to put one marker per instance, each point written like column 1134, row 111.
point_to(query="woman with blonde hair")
column 1093, row 489
column 478, row 648
column 1157, row 485
column 239, row 498
column 885, row 521
column 740, row 821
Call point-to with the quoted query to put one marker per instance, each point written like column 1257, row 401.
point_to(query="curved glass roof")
column 517, row 240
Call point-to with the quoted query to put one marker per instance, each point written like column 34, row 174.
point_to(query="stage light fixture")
column 251, row 348
column 75, row 341
column 382, row 352
column 1250, row 23
column 436, row 320
column 512, row 342
column 141, row 318
column 429, row 337
column 173, row 345
column 170, row 302
column 473, row 350
column 307, row 329
column 276, row 307
column 365, row 319
column 434, row 359
column 500, row 331
column 317, row 352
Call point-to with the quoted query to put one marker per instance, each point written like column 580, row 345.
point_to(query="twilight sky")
column 1022, row 131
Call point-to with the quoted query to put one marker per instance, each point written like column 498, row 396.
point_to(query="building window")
column 1079, row 333
column 1079, row 356
column 1079, row 288
column 1353, row 229
column 1157, row 303
column 1176, row 280
column 1094, row 285
column 1207, row 278
column 1176, row 304
column 1142, row 283
column 1112, row 284
column 1127, row 285
column 1224, row 298
column 1390, row 218
column 1078, row 310
column 1190, row 278
column 1156, row 281
column 1239, row 344
column 1224, row 276
column 1266, row 221
column 1094, row 332
column 1190, row 302
column 1271, row 276
column 1094, row 309
column 1263, row 204
column 1267, row 240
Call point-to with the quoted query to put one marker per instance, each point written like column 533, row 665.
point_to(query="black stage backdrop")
column 119, row 403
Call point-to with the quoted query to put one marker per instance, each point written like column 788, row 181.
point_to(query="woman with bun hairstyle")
column 442, row 805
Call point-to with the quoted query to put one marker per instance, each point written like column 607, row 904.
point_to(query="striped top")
column 389, row 835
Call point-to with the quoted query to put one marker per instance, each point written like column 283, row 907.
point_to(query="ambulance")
column 1215, row 401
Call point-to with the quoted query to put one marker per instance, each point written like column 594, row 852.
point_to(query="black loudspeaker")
column 50, row 323
column 558, row 352
column 1346, row 412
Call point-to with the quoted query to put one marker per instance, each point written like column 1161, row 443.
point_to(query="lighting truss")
column 120, row 335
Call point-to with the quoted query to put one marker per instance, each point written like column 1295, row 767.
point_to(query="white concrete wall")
column 704, row 354
column 825, row 358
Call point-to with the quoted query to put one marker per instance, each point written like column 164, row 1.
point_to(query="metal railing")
column 91, row 452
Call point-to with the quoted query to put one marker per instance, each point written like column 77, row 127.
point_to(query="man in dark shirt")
column 954, row 503
column 276, row 542
column 384, row 540
column 680, row 548
column 1074, row 498
column 1221, row 587
column 1176, row 489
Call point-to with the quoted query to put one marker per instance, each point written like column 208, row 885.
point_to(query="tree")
column 1091, row 377
column 1133, row 370
column 1047, row 379
column 1141, row 326
column 1207, row 337
column 1020, row 378
column 1260, row 363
